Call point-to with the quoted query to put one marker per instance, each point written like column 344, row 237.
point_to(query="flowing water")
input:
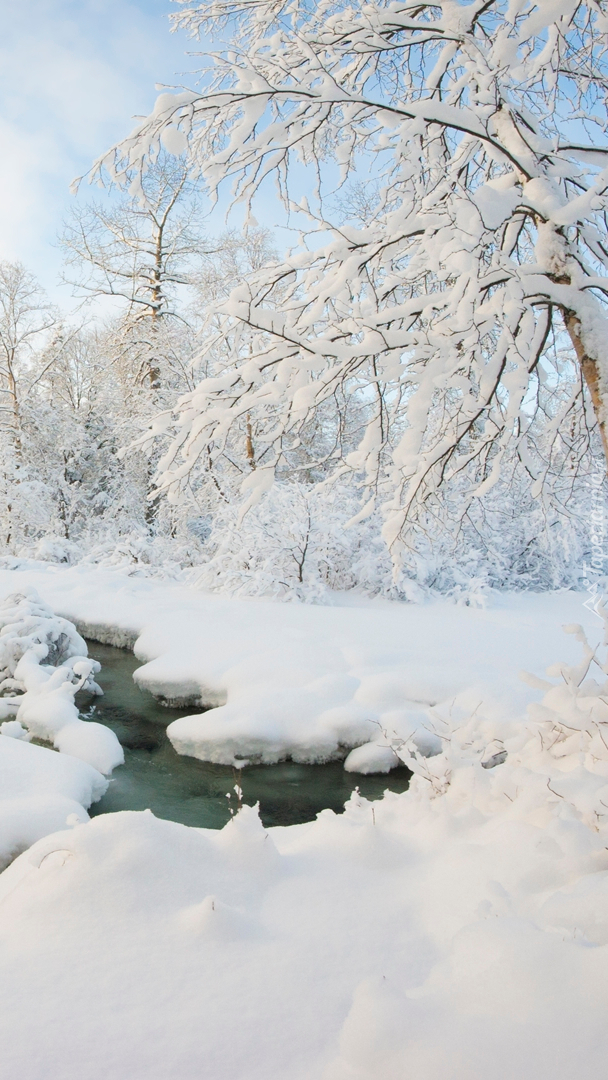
column 194, row 792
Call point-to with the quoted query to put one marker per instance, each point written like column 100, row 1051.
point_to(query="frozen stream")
column 194, row 792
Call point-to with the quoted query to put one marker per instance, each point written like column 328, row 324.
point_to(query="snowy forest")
column 303, row 478
column 409, row 399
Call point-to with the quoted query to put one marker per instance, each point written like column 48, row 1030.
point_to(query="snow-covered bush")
column 295, row 544
column 142, row 553
column 301, row 542
column 554, row 766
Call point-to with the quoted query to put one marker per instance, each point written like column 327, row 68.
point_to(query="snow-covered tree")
column 143, row 249
column 25, row 315
column 474, row 136
column 25, row 318
column 76, row 422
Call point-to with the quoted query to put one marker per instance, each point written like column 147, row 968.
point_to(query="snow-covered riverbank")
column 455, row 931
column 311, row 681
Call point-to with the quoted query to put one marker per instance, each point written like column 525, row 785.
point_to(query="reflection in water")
column 194, row 792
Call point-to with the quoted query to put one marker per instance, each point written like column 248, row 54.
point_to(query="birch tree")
column 477, row 133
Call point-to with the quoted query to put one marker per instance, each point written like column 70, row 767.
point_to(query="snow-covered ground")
column 453, row 932
column 436, row 945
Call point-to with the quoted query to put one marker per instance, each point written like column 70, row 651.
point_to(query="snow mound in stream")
column 43, row 665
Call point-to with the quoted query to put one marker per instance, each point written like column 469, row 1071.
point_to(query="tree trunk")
column 591, row 373
column 16, row 419
column 249, row 443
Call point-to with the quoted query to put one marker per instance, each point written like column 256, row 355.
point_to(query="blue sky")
column 73, row 73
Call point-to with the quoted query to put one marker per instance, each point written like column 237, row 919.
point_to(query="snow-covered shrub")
column 554, row 766
column 43, row 665
column 301, row 542
column 139, row 553
column 54, row 549
column 293, row 544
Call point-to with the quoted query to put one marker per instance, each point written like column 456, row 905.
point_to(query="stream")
column 194, row 792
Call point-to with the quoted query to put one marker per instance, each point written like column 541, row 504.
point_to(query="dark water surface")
column 194, row 792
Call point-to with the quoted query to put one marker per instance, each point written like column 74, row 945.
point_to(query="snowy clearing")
column 383, row 400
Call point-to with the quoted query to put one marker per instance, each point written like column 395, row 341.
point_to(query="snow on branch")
column 480, row 131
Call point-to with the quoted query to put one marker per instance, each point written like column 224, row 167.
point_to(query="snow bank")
column 456, row 931
column 40, row 792
column 372, row 758
column 25, row 623
column 305, row 681
column 43, row 693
